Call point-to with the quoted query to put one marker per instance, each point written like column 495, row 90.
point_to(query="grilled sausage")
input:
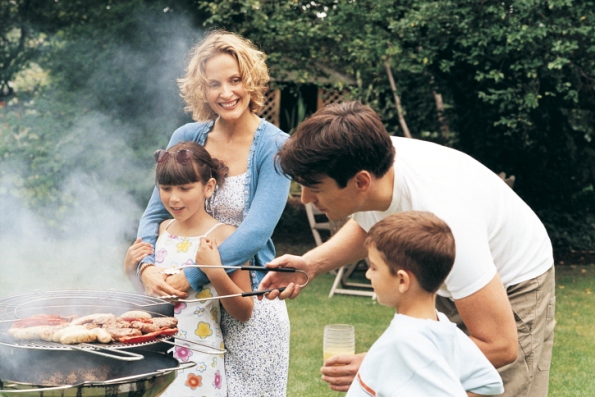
column 76, row 334
column 102, row 335
column 136, row 314
column 99, row 318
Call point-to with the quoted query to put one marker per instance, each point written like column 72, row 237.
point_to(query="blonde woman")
column 224, row 88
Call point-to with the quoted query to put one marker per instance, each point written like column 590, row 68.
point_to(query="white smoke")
column 81, row 243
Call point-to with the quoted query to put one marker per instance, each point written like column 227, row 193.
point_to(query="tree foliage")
column 112, row 99
column 27, row 23
column 516, row 77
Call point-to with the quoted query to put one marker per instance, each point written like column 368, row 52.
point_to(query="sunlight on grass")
column 574, row 346
column 574, row 341
column 309, row 313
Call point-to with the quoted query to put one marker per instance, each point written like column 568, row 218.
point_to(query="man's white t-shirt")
column 494, row 230
column 424, row 358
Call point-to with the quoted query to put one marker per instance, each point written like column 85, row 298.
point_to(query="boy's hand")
column 339, row 371
column 137, row 252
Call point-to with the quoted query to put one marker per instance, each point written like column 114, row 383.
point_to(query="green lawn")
column 574, row 341
column 574, row 347
column 309, row 313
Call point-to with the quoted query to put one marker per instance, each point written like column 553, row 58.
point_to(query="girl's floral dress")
column 197, row 321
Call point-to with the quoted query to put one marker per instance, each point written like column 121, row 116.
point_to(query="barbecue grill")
column 63, row 373
column 48, row 369
column 81, row 303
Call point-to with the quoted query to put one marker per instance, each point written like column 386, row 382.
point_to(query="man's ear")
column 363, row 180
column 403, row 281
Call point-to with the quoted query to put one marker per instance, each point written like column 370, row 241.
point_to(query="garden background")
column 88, row 92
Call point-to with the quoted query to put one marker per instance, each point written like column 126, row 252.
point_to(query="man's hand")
column 339, row 371
column 292, row 281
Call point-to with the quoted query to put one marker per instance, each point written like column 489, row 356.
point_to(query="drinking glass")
column 338, row 339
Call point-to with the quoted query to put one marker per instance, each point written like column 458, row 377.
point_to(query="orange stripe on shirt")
column 366, row 388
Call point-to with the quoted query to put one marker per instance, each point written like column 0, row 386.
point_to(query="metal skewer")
column 175, row 298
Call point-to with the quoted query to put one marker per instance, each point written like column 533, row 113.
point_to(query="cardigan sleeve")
column 268, row 203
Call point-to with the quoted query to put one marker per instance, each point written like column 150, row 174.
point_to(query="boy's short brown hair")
column 418, row 242
column 337, row 141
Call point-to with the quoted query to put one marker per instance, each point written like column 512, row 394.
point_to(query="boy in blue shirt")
column 421, row 353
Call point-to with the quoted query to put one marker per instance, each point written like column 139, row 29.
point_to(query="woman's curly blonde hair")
column 253, row 71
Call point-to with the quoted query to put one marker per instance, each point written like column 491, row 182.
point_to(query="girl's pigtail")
column 219, row 171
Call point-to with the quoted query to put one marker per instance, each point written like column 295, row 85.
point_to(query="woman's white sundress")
column 257, row 358
column 197, row 321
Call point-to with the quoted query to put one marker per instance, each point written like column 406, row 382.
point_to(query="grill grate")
column 43, row 345
column 76, row 302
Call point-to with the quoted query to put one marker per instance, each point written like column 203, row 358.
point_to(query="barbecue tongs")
column 175, row 298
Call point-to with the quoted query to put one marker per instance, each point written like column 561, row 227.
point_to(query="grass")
column 574, row 339
column 309, row 313
column 574, row 344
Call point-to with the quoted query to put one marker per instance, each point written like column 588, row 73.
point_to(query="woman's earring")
column 208, row 205
column 209, row 202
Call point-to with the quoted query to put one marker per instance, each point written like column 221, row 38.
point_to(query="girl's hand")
column 237, row 282
column 178, row 281
column 208, row 254
column 155, row 284
column 136, row 253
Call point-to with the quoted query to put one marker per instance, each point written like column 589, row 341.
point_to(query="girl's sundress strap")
column 211, row 229
column 169, row 224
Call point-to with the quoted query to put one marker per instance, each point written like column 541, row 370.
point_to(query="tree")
column 516, row 78
column 510, row 83
column 111, row 101
column 25, row 26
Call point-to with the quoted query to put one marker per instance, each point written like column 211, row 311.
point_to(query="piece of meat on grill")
column 155, row 324
column 136, row 314
column 165, row 322
column 116, row 323
column 102, row 335
column 98, row 318
column 48, row 332
column 76, row 334
column 118, row 333
column 28, row 333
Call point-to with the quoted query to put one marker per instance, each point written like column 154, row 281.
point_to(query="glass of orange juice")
column 338, row 339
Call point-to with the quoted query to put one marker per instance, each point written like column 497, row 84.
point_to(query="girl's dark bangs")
column 176, row 175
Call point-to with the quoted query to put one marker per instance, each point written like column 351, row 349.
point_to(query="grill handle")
column 199, row 347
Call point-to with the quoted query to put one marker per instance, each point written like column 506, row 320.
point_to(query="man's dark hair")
column 337, row 141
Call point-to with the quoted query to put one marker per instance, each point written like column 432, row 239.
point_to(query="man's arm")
column 489, row 318
column 345, row 247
